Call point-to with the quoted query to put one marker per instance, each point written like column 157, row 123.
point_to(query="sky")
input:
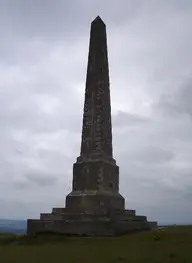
column 43, row 61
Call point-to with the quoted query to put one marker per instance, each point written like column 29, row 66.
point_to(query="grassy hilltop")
column 172, row 244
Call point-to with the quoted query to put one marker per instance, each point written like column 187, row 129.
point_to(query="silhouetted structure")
column 94, row 206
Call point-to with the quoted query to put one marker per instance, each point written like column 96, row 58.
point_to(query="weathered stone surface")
column 94, row 206
column 83, row 228
column 94, row 201
column 106, row 224
column 96, row 131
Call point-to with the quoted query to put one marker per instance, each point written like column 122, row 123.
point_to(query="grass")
column 172, row 244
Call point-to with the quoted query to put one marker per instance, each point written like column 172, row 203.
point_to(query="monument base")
column 64, row 221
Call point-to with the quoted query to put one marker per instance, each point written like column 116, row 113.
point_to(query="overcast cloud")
column 43, row 60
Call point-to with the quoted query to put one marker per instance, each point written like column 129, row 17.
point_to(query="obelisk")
column 94, row 207
column 95, row 174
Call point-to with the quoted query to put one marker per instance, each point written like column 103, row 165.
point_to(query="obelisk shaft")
column 97, row 131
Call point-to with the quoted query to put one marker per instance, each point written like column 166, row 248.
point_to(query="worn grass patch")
column 173, row 244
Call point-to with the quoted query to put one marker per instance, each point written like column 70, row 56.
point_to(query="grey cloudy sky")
column 43, row 59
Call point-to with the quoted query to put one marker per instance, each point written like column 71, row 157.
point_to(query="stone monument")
column 94, row 206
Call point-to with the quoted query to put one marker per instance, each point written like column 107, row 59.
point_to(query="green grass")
column 173, row 244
